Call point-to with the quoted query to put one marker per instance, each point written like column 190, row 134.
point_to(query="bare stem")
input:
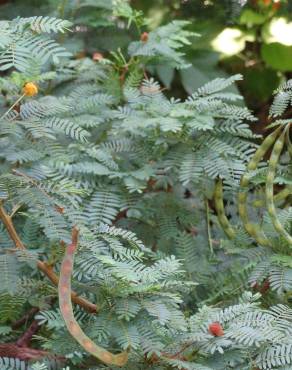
column 25, row 339
column 208, row 226
column 17, row 324
column 45, row 268
column 12, row 106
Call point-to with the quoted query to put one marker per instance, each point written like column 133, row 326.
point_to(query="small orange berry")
column 216, row 329
column 144, row 37
column 30, row 89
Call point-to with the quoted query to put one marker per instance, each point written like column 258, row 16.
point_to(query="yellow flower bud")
column 30, row 89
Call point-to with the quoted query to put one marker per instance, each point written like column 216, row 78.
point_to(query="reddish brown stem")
column 22, row 353
column 75, row 235
column 10, row 229
column 25, row 339
column 46, row 269
column 17, row 324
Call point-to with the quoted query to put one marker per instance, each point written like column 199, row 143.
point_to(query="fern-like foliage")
column 23, row 42
column 102, row 147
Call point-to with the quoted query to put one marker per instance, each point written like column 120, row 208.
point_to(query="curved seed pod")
column 283, row 194
column 64, row 290
column 277, row 150
column 253, row 229
column 219, row 206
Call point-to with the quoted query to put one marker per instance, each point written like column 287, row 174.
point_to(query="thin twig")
column 25, row 339
column 45, row 268
column 6, row 219
column 15, row 209
column 208, row 226
column 12, row 106
column 11, row 350
column 17, row 324
column 75, row 235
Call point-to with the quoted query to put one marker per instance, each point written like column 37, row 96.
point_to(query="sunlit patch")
column 229, row 42
column 279, row 30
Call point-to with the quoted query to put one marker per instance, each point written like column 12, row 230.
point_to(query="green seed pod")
column 277, row 150
column 64, row 290
column 219, row 206
column 283, row 194
column 252, row 229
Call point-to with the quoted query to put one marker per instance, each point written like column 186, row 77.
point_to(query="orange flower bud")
column 30, row 89
column 216, row 329
column 144, row 37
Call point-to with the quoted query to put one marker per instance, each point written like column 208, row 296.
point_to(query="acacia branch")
column 17, row 324
column 75, row 235
column 21, row 349
column 22, row 353
column 6, row 219
column 45, row 268
column 25, row 339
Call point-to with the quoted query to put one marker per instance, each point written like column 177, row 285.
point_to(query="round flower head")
column 30, row 89
column 216, row 329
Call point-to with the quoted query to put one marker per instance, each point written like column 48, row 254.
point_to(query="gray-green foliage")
column 24, row 44
column 134, row 170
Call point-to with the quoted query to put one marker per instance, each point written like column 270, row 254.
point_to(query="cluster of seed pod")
column 220, row 210
column 64, row 290
column 277, row 150
column 275, row 140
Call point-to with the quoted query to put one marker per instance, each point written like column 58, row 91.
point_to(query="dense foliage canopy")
column 145, row 159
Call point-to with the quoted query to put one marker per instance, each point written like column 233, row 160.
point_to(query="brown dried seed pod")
column 73, row 327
